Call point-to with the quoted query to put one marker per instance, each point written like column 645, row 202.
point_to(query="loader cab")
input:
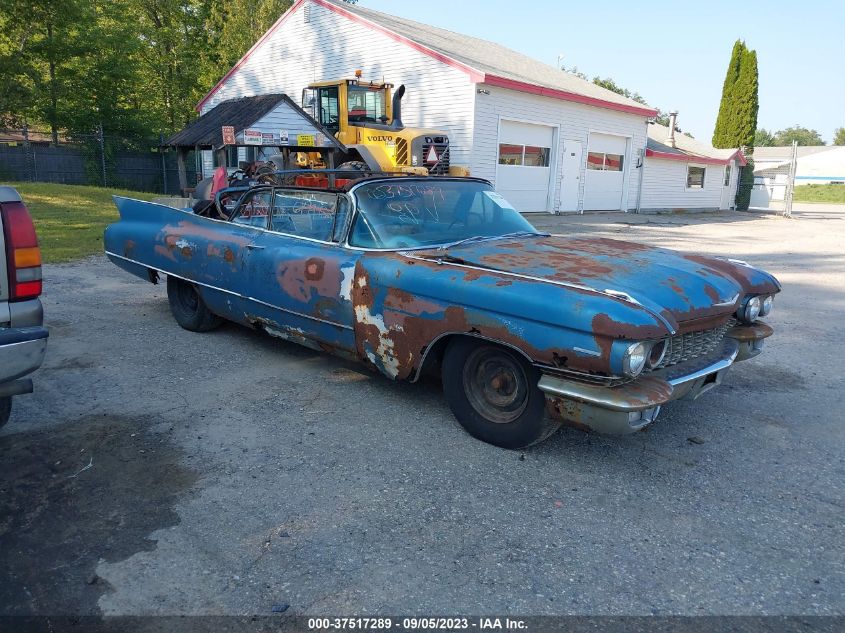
column 343, row 105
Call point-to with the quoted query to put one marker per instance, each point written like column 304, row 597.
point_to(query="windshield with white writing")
column 415, row 213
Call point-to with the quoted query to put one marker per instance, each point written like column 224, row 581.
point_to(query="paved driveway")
column 159, row 471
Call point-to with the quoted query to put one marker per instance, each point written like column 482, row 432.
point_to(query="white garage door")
column 605, row 172
column 523, row 173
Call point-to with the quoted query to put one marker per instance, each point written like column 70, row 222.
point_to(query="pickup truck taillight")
column 22, row 253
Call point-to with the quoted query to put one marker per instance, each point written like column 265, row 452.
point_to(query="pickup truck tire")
column 5, row 410
column 493, row 393
column 188, row 308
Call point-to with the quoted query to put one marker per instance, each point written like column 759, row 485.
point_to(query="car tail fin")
column 23, row 256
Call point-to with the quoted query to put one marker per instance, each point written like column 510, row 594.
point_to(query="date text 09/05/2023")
column 415, row 624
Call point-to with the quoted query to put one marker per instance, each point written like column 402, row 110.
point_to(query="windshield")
column 419, row 213
column 366, row 104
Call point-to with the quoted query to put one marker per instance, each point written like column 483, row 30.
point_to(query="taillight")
column 23, row 256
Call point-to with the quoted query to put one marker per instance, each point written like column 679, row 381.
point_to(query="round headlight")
column 657, row 353
column 751, row 310
column 634, row 360
column 766, row 307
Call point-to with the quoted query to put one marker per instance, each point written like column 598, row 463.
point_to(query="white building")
column 683, row 173
column 817, row 164
column 549, row 140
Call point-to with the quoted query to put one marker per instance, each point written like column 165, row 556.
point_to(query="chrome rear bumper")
column 21, row 351
column 629, row 407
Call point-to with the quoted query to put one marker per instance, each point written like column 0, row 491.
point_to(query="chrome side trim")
column 231, row 292
column 605, row 293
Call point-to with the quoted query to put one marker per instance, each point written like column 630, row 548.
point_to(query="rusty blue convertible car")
column 413, row 275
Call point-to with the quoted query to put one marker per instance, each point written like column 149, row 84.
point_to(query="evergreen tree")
column 736, row 124
column 726, row 107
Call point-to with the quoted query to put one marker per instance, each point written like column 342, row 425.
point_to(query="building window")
column 695, row 177
column 365, row 104
column 604, row 162
column 524, row 155
column 727, row 175
column 328, row 115
column 510, row 154
column 536, row 156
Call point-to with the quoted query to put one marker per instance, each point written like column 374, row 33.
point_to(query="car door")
column 211, row 252
column 301, row 277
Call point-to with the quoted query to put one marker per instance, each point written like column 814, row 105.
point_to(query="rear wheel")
column 493, row 393
column 188, row 308
column 5, row 410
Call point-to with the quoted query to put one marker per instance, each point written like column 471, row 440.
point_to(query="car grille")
column 441, row 168
column 692, row 345
column 401, row 151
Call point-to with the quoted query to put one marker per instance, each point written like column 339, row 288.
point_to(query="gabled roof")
column 483, row 61
column 243, row 113
column 240, row 113
column 686, row 148
column 785, row 152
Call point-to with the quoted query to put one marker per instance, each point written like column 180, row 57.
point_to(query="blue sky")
column 674, row 54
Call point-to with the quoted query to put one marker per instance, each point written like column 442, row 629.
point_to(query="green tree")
column 45, row 42
column 233, row 27
column 839, row 136
column 736, row 123
column 803, row 135
column 174, row 37
column 763, row 138
column 609, row 84
column 726, row 106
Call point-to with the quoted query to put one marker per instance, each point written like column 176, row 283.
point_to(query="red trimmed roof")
column 687, row 149
column 694, row 158
column 482, row 61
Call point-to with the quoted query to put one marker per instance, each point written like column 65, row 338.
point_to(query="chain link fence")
column 32, row 155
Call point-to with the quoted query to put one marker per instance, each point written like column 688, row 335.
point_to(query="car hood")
column 681, row 288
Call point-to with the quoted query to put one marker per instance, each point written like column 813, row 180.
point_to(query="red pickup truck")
column 23, row 337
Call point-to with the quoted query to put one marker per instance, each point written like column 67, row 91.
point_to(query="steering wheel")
column 226, row 194
column 465, row 219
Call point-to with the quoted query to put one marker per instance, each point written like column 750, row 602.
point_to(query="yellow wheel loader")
column 367, row 119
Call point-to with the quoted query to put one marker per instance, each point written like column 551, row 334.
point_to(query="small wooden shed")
column 273, row 122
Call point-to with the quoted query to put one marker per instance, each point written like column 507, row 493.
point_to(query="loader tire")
column 356, row 165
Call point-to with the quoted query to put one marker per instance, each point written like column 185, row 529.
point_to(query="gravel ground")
column 157, row 471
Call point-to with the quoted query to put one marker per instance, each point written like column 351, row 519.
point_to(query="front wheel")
column 5, row 410
column 493, row 394
column 188, row 308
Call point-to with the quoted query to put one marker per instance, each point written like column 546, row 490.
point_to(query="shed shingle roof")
column 206, row 131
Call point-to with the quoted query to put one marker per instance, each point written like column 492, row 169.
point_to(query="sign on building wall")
column 228, row 135
column 253, row 137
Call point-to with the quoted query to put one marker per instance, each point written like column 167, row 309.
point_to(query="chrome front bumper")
column 629, row 407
